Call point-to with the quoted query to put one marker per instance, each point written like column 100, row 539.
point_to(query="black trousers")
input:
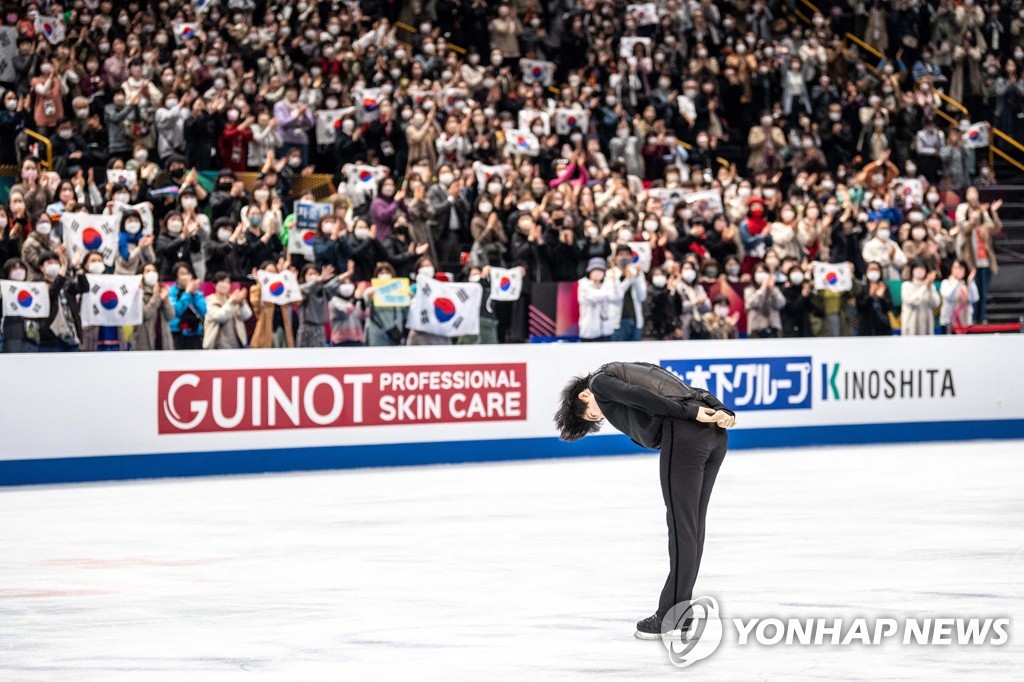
column 691, row 454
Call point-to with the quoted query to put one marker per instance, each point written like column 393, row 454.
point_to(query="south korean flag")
column 25, row 299
column 446, row 308
column 86, row 232
column 112, row 300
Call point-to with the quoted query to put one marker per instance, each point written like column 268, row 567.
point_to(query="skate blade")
column 671, row 636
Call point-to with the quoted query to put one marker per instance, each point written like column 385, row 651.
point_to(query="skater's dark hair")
column 569, row 419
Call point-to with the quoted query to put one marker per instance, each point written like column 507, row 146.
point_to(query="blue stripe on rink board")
column 163, row 465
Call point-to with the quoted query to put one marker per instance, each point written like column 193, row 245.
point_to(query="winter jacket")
column 636, row 397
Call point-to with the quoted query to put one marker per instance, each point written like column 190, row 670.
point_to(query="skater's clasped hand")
column 719, row 417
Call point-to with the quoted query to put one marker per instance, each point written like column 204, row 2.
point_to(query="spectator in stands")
column 959, row 295
column 157, row 313
column 226, row 315
column 919, row 298
column 189, row 308
column 763, row 301
column 273, row 322
column 874, row 304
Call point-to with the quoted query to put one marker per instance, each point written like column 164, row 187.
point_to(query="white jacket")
column 948, row 292
column 877, row 251
column 638, row 291
column 595, row 307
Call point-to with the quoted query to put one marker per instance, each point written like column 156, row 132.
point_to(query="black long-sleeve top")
column 637, row 397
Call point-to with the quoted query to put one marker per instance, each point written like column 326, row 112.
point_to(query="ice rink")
column 533, row 570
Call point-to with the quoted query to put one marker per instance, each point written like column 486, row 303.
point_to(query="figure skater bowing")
column 658, row 410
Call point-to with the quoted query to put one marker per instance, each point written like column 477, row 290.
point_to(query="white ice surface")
column 533, row 570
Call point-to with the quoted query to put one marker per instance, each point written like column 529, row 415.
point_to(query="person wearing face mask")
column 226, row 314
column 719, row 322
column 765, row 142
column 134, row 249
column 33, row 188
column 157, row 312
column 763, row 302
column 174, row 243
column 17, row 334
column 294, row 120
column 349, row 146
column 916, row 243
column 13, row 119
column 36, row 245
column 318, row 288
column 488, row 321
column 220, row 251
column 626, row 308
column 259, row 240
column 425, row 269
column 882, row 249
column 364, row 250
column 61, row 332
column 385, row 326
column 97, row 337
column 755, row 235
column 959, row 295
column 505, row 30
column 800, row 304
column 273, row 322
column 597, row 294
column 592, row 245
column 386, row 207
column 783, row 232
column 234, row 141
column 874, row 304
column 169, row 121
column 918, row 299
column 348, row 314
column 661, row 308
column 693, row 301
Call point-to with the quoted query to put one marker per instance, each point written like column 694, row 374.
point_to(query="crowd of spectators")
column 807, row 139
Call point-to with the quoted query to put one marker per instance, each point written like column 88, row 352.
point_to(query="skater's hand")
column 708, row 415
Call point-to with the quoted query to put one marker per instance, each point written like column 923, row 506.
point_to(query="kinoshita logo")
column 839, row 383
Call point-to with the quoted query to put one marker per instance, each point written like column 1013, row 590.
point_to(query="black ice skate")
column 650, row 628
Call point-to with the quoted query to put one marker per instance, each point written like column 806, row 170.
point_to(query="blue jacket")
column 181, row 302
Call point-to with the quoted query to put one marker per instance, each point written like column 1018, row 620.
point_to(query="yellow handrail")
column 952, row 102
column 46, row 143
column 867, row 47
column 993, row 149
column 1000, row 134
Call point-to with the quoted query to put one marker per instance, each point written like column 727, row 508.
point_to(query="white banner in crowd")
column 908, row 191
column 668, row 197
column 528, row 116
column 485, row 173
column 112, row 300
column 645, row 13
column 567, row 120
column 84, row 232
column 521, row 142
column 303, row 230
column 445, row 308
column 506, row 284
column 279, row 288
column 627, row 44
column 706, row 200
column 976, row 136
column 129, row 177
column 184, row 30
column 362, row 180
column 52, row 27
column 325, row 122
column 836, row 277
column 380, row 406
column 368, row 102
column 537, row 71
column 8, row 50
column 641, row 254
column 25, row 299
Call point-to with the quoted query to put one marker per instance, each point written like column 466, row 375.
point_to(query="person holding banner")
column 348, row 314
column 103, row 338
column 385, row 325
column 61, row 332
column 17, row 334
column 273, row 322
column 659, row 411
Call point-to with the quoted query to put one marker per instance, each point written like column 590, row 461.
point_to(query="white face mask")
column 919, row 273
column 132, row 226
column 43, row 229
column 592, row 232
column 261, row 194
column 919, row 233
column 122, row 198
column 796, row 277
column 659, row 280
column 174, row 227
column 188, row 203
column 625, row 236
column 651, row 225
column 760, row 277
column 883, row 235
column 51, row 269
column 425, row 272
column 485, row 207
column 151, row 278
column 689, row 276
column 787, row 216
column 223, row 234
column 347, row 289
column 474, row 278
column 361, row 233
column 722, row 310
column 95, row 268
column 874, row 275
column 445, row 178
column 18, row 275
column 493, row 188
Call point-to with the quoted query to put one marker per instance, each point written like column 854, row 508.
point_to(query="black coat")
column 637, row 397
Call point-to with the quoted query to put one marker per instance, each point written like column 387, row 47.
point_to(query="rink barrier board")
column 140, row 415
column 187, row 464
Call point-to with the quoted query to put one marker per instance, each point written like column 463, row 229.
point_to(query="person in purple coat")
column 294, row 119
column 385, row 207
